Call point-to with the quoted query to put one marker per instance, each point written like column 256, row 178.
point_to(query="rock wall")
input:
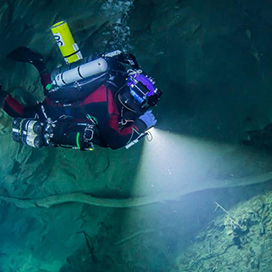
column 238, row 240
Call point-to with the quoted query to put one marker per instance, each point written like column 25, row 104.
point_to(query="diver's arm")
column 117, row 138
column 119, row 56
column 108, row 125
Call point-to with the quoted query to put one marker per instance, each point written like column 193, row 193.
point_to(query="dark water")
column 213, row 60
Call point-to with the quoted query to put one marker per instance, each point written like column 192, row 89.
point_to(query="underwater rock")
column 50, row 201
column 223, row 244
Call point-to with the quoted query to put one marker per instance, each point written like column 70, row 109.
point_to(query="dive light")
column 142, row 135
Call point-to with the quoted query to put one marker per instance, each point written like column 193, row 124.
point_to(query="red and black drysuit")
column 99, row 104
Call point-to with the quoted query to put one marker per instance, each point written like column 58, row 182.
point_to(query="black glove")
column 131, row 59
column 124, row 58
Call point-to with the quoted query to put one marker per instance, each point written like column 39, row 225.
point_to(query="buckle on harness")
column 88, row 133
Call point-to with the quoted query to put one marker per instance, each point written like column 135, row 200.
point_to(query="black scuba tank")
column 36, row 141
column 28, row 132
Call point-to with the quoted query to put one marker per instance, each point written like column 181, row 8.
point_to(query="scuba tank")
column 77, row 90
column 79, row 77
column 80, row 72
column 65, row 41
column 63, row 132
column 84, row 68
column 28, row 132
column 76, row 80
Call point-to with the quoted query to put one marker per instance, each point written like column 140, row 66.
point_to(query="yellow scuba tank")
column 67, row 45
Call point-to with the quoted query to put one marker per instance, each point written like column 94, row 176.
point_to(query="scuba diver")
column 91, row 102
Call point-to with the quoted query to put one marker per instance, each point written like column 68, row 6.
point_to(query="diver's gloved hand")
column 149, row 119
column 133, row 61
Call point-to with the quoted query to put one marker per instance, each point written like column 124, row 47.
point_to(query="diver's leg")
column 24, row 54
column 11, row 106
column 15, row 109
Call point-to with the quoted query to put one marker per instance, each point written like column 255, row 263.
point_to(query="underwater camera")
column 142, row 92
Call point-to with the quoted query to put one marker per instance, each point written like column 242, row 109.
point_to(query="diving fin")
column 24, row 54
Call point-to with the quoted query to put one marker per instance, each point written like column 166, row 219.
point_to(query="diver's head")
column 140, row 93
